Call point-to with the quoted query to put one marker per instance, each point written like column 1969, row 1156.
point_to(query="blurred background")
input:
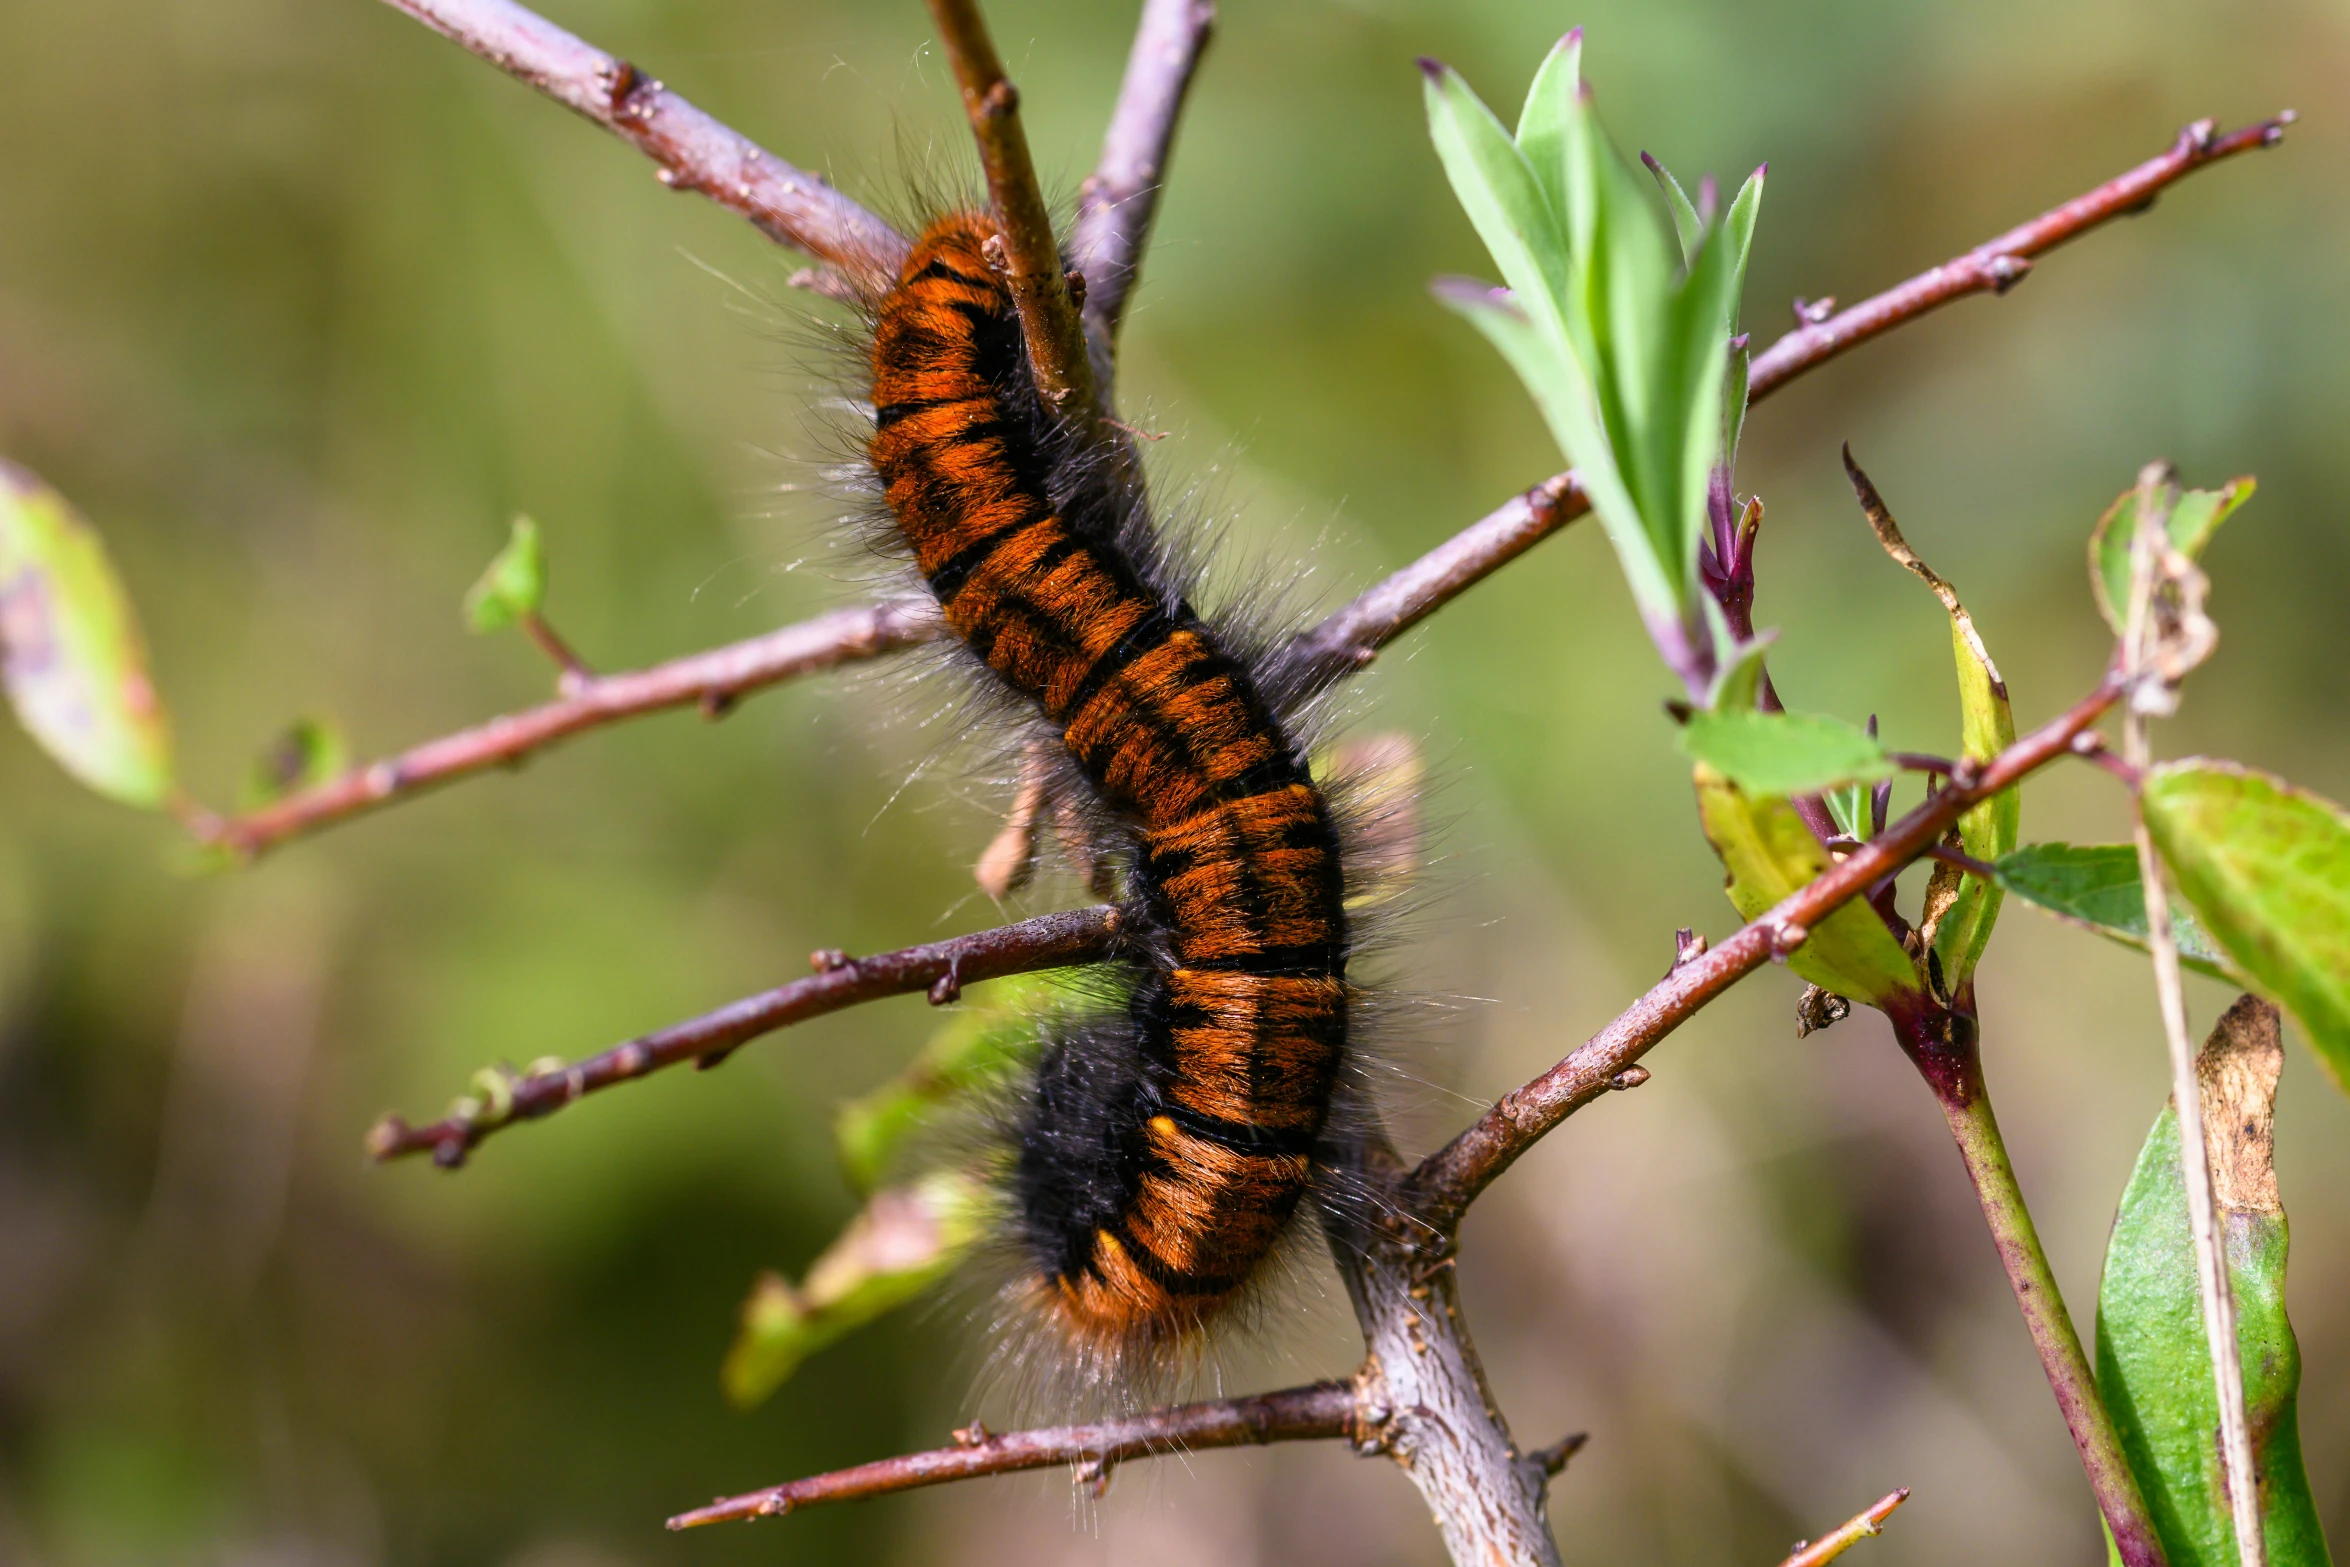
column 300, row 304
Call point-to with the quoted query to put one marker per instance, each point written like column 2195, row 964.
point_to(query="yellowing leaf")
column 1770, row 854
column 70, row 650
column 1960, row 910
column 2153, row 1360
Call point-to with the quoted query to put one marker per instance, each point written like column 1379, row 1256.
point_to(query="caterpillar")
column 1158, row 1162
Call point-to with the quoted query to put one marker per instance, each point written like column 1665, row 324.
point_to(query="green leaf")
column 309, row 752
column 70, row 651
column 2267, row 866
column 1738, row 234
column 905, row 1240
column 1690, row 373
column 1568, row 403
column 1497, row 189
column 2096, row 885
column 2153, row 1360
column 1782, row 754
column 513, row 585
column 1770, row 854
column 1688, row 227
column 1552, row 129
column 982, row 1045
column 2194, row 517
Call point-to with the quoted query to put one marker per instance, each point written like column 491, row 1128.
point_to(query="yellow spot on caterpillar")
column 1109, row 1243
column 1164, row 1125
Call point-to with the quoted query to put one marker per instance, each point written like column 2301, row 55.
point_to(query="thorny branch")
column 695, row 152
column 1031, row 258
column 714, row 681
column 1321, row 1410
column 1352, row 637
column 939, row 968
column 1997, row 265
column 1121, row 197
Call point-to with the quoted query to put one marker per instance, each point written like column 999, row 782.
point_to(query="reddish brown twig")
column 1448, row 1180
column 941, row 968
column 695, row 152
column 714, row 680
column 1031, row 251
column 1820, row 1552
column 1119, row 199
column 1350, row 638
column 1996, row 265
column 1298, row 1414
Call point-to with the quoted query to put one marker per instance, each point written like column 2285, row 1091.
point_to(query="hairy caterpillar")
column 1159, row 1161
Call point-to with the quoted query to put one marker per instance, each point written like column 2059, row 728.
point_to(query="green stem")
column 1943, row 1047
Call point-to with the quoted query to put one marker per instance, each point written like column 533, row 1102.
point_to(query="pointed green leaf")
column 70, row 650
column 2267, row 867
column 2153, row 1360
column 1632, row 279
column 307, row 754
column 1769, row 854
column 2096, row 885
column 1564, row 395
column 904, row 1241
column 1688, row 227
column 513, row 585
column 2194, row 516
column 1551, row 131
column 1734, row 399
column 1783, row 754
column 1498, row 191
column 1738, row 235
column 1691, row 373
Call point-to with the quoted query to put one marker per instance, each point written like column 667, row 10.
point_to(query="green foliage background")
column 300, row 305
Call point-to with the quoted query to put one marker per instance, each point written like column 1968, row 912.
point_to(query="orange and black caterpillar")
column 1156, row 1163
